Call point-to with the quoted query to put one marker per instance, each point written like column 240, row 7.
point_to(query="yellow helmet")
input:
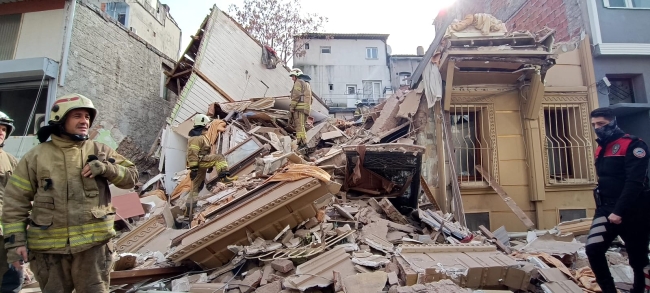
column 201, row 120
column 66, row 103
column 295, row 72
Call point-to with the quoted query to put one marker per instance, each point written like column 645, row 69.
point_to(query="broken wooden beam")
column 429, row 194
column 507, row 199
column 491, row 236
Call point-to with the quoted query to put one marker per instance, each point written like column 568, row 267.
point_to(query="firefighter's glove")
column 223, row 174
column 210, row 170
column 194, row 173
column 97, row 168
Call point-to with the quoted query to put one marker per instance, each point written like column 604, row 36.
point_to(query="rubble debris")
column 282, row 265
column 443, row 286
column 365, row 283
column 318, row 271
column 575, row 227
column 553, row 245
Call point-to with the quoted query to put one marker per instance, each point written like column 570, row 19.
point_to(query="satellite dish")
column 389, row 51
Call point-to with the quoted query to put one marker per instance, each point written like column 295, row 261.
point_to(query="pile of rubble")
column 350, row 212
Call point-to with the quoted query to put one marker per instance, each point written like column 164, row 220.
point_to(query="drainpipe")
column 66, row 43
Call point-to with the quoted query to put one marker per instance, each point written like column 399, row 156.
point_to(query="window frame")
column 629, row 4
column 328, row 48
column 306, row 46
column 576, row 132
column 347, row 89
column 630, row 80
column 483, row 130
column 371, row 50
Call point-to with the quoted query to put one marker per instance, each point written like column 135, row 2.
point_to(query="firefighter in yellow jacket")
column 200, row 161
column 300, row 105
column 68, row 227
column 11, row 277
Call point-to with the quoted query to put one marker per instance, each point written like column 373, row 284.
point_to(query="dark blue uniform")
column 621, row 165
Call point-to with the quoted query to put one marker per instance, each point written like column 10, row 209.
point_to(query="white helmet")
column 201, row 120
column 6, row 121
column 295, row 72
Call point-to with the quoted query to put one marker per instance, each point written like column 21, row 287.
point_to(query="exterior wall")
column 613, row 21
column 122, row 77
column 165, row 36
column 41, row 35
column 399, row 65
column 565, row 16
column 523, row 166
column 345, row 65
column 152, row 23
column 636, row 67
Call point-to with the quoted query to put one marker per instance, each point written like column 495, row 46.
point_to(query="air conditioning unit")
column 133, row 30
column 39, row 121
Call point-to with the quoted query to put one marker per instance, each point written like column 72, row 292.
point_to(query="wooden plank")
column 502, row 193
column 213, row 85
column 134, row 276
column 429, row 194
column 499, row 244
column 449, row 84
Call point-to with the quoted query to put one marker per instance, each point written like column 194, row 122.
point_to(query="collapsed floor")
column 351, row 213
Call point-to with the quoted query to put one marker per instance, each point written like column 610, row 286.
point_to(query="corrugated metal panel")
column 9, row 29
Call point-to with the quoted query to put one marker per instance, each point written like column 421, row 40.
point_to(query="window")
column 351, row 89
column 326, row 50
column 473, row 146
column 568, row 149
column 372, row 89
column 473, row 220
column 331, row 87
column 621, row 90
column 121, row 18
column 371, row 53
column 404, row 78
column 9, row 29
column 573, row 214
column 306, row 46
column 627, row 3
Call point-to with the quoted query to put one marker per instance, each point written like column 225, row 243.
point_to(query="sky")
column 410, row 25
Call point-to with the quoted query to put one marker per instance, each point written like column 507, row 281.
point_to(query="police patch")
column 615, row 149
column 639, row 152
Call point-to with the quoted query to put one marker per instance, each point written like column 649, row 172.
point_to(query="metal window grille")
column 568, row 148
column 470, row 135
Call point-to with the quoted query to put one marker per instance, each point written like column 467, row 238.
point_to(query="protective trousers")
column 85, row 272
column 198, row 183
column 299, row 124
column 634, row 232
column 10, row 278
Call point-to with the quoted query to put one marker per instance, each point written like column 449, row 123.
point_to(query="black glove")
column 194, row 173
column 210, row 170
column 224, row 174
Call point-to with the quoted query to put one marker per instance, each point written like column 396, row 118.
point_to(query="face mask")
column 607, row 131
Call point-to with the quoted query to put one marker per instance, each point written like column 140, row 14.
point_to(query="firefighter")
column 300, row 107
column 200, row 161
column 11, row 277
column 361, row 113
column 621, row 200
column 69, row 226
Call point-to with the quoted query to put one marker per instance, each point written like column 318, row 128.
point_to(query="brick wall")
column 565, row 16
column 121, row 74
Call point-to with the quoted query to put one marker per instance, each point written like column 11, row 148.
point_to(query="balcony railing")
column 349, row 101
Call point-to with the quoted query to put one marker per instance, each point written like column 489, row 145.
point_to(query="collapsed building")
column 494, row 128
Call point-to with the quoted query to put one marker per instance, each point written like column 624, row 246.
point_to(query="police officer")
column 621, row 202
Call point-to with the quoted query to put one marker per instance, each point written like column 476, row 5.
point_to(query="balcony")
column 349, row 101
